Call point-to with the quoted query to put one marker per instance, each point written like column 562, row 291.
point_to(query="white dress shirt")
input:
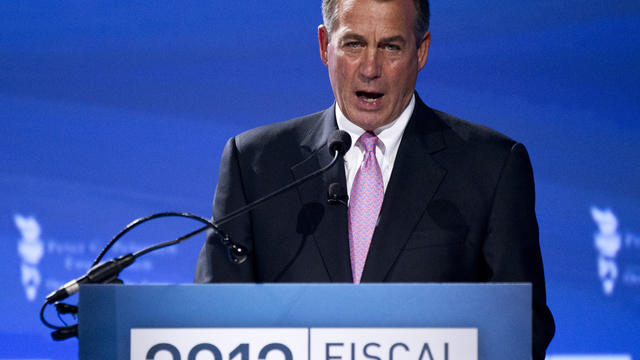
column 389, row 137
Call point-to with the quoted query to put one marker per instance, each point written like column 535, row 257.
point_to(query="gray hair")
column 330, row 15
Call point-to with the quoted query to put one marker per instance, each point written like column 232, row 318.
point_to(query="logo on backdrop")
column 30, row 250
column 618, row 252
column 67, row 259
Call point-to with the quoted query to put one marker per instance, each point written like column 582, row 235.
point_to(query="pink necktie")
column 367, row 193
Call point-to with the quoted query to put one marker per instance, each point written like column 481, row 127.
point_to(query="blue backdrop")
column 113, row 110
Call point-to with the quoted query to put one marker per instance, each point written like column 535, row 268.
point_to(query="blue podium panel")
column 498, row 315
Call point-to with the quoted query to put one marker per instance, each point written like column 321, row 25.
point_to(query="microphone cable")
column 109, row 271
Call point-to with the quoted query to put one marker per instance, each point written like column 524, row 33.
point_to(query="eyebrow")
column 352, row 37
column 396, row 38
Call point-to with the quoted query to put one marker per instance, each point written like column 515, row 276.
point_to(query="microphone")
column 340, row 142
column 337, row 194
column 102, row 273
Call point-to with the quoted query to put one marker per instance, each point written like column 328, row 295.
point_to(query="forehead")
column 394, row 15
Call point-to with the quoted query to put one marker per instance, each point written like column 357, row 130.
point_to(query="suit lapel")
column 414, row 180
column 331, row 234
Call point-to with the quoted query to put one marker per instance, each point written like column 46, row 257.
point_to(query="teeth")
column 368, row 97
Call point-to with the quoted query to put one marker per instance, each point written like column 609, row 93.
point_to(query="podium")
column 305, row 321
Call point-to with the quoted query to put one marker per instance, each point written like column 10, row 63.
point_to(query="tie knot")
column 368, row 140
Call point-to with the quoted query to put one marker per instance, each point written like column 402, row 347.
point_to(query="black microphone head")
column 337, row 194
column 339, row 141
column 237, row 254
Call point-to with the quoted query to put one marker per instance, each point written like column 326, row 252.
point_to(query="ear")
column 423, row 50
column 323, row 42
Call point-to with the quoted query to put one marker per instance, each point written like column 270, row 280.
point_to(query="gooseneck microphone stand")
column 108, row 272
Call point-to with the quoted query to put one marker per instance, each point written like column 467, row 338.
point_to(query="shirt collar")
column 388, row 135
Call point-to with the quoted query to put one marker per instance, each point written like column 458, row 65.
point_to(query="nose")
column 370, row 68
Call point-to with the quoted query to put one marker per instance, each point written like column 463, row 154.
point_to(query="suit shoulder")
column 280, row 134
column 468, row 134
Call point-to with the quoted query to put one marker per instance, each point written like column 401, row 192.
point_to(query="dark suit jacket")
column 459, row 207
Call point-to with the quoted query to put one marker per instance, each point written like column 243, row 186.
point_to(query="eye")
column 353, row 44
column 391, row 47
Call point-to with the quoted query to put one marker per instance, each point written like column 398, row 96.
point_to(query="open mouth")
column 368, row 96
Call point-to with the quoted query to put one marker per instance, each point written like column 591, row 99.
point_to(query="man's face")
column 372, row 59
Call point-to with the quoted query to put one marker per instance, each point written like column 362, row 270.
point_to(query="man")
column 431, row 198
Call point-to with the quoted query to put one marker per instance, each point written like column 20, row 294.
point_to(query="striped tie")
column 367, row 193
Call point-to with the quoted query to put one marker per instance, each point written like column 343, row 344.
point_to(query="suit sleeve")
column 213, row 264
column 512, row 248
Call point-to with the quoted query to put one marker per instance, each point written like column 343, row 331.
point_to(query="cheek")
column 402, row 74
column 342, row 69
